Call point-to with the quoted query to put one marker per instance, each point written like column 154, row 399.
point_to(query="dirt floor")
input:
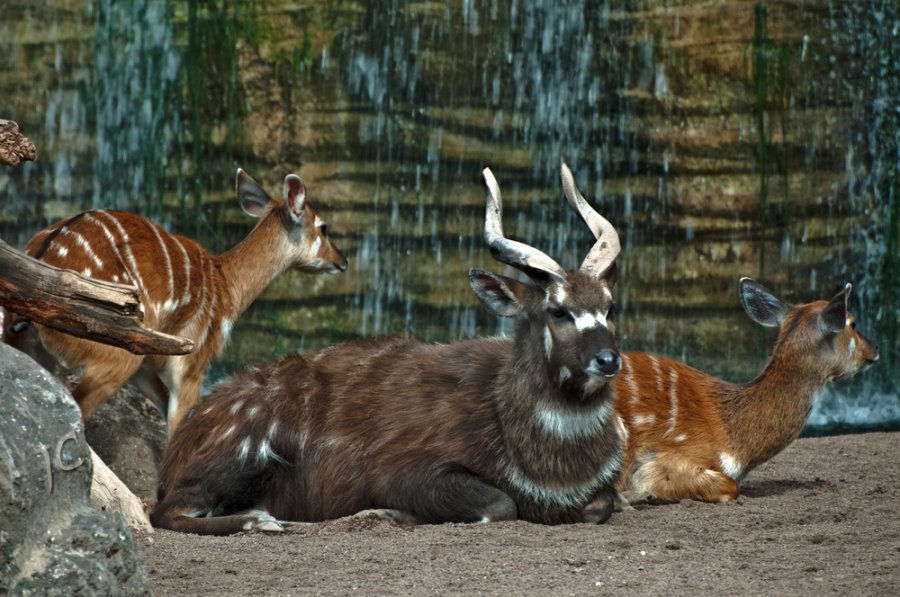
column 821, row 518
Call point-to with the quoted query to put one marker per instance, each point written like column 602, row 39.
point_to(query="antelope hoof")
column 269, row 526
column 601, row 508
column 395, row 516
column 622, row 504
column 258, row 520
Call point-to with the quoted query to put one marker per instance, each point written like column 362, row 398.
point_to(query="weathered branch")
column 109, row 494
column 87, row 308
column 15, row 147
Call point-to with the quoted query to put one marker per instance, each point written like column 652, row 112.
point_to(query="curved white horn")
column 603, row 254
column 534, row 263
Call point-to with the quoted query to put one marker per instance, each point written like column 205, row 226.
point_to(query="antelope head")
column 568, row 316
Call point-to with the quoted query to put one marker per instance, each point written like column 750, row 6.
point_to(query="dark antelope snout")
column 607, row 362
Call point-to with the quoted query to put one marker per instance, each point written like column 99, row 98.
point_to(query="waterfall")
column 722, row 140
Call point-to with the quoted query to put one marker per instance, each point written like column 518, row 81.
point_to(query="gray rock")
column 52, row 542
column 129, row 434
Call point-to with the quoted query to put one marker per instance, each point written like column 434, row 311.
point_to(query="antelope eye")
column 324, row 229
column 853, row 324
column 557, row 313
column 611, row 314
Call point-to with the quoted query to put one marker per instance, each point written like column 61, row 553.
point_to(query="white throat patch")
column 568, row 425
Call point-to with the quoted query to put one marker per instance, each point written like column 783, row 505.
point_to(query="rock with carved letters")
column 52, row 542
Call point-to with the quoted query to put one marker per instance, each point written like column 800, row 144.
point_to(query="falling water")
column 721, row 139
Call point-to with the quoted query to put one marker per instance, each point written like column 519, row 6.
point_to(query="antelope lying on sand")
column 476, row 431
column 690, row 435
column 184, row 289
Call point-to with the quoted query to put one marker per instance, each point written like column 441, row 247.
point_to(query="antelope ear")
column 833, row 317
column 294, row 196
column 251, row 196
column 761, row 305
column 497, row 293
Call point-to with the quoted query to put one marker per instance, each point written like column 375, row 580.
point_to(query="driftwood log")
column 109, row 494
column 87, row 308
column 15, row 148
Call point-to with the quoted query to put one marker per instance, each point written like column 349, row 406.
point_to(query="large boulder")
column 129, row 434
column 52, row 542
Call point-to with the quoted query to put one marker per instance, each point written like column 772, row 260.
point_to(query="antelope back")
column 168, row 270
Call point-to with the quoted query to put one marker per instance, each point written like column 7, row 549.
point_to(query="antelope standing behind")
column 691, row 435
column 475, row 431
column 184, row 289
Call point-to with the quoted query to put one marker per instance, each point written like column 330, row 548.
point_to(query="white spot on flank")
column 588, row 321
column 642, row 420
column 62, row 251
column 244, row 450
column 170, row 305
column 229, row 431
column 266, row 452
column 273, row 429
column 572, row 424
column 564, row 374
column 86, row 272
column 730, row 466
column 302, row 438
column 680, row 438
column 548, row 342
column 236, row 407
column 115, row 278
column 252, row 412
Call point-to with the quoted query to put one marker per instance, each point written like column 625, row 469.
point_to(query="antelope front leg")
column 601, row 507
column 459, row 497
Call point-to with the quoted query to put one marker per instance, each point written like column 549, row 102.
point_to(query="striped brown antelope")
column 184, row 289
column 475, row 431
column 691, row 435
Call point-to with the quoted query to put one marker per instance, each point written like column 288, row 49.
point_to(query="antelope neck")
column 764, row 415
column 250, row 266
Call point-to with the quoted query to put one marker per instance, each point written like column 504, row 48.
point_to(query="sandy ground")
column 821, row 518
